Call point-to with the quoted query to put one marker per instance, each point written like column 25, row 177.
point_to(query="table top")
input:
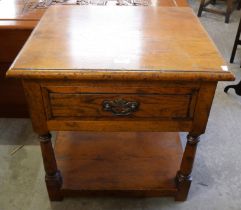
column 107, row 42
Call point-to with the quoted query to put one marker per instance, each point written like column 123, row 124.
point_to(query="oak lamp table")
column 118, row 84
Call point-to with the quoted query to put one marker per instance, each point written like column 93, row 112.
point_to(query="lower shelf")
column 141, row 164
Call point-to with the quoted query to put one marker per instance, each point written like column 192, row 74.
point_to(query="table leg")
column 200, row 8
column 53, row 177
column 183, row 177
column 239, row 5
column 213, row 2
column 229, row 10
column 236, row 42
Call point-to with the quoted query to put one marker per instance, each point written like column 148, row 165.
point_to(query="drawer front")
column 114, row 106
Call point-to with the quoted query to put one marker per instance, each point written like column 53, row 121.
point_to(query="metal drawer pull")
column 120, row 107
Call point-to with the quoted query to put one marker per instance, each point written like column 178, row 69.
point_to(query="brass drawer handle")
column 120, row 107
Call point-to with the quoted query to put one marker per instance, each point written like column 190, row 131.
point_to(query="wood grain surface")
column 161, row 58
column 155, row 101
column 148, row 40
column 118, row 161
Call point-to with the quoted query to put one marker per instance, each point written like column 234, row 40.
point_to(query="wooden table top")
column 108, row 42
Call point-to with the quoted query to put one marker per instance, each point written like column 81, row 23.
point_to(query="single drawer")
column 95, row 105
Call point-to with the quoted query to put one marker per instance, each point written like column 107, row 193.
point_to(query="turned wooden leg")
column 53, row 177
column 236, row 42
column 239, row 5
column 201, row 8
column 213, row 2
column 229, row 10
column 183, row 178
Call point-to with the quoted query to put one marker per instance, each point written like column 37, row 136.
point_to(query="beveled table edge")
column 83, row 74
